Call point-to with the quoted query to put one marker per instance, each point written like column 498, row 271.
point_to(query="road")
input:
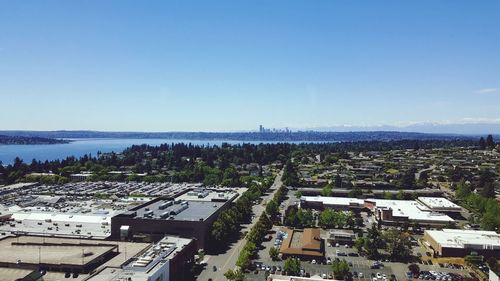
column 227, row 260
column 418, row 173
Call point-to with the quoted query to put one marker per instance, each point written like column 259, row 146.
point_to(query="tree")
column 400, row 195
column 424, row 178
column 398, row 244
column 244, row 258
column 234, row 275
column 305, row 218
column 492, row 263
column 485, row 176
column 490, row 219
column 274, row 253
column 327, row 218
column 463, row 190
column 327, row 190
column 488, row 190
column 340, row 269
column 298, row 194
column 231, row 177
column 338, row 181
column 408, row 178
column 272, row 208
column 201, row 255
column 414, row 268
column 359, row 243
column 355, row 192
column 482, row 143
column 292, row 266
column 290, row 177
column 489, row 141
column 373, row 242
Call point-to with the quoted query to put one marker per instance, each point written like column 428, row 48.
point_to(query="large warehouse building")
column 459, row 243
column 189, row 217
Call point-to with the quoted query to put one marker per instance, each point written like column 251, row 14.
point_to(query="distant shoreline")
column 51, row 137
column 22, row 140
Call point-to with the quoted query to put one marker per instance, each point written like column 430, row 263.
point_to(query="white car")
column 313, row 261
column 379, row 276
column 360, row 275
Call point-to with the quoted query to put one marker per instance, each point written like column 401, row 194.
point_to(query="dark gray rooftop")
column 185, row 211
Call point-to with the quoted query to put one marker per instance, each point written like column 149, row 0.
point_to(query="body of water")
column 81, row 147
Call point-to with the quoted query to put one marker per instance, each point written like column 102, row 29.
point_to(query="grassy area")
column 392, row 171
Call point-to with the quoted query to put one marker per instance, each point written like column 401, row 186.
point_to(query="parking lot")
column 358, row 264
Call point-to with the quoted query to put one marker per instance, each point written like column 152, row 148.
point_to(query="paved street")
column 227, row 260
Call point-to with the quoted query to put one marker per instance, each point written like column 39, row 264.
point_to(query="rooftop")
column 304, row 243
column 96, row 225
column 207, row 195
column 179, row 210
column 413, row 210
column 150, row 261
column 458, row 238
column 439, row 203
column 62, row 252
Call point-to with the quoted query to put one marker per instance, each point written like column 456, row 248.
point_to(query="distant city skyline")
column 233, row 65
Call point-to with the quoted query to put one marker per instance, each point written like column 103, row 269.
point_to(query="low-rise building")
column 60, row 256
column 341, row 236
column 459, row 243
column 80, row 176
column 390, row 212
column 305, row 244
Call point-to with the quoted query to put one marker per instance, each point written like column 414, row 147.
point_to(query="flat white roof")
column 459, row 238
column 55, row 217
column 339, row 201
column 438, row 202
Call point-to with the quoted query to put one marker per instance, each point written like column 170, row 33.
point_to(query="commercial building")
column 439, row 204
column 96, row 260
column 186, row 218
column 390, row 212
column 167, row 260
column 80, row 176
column 459, row 243
column 60, row 256
column 87, row 223
column 305, row 244
column 341, row 236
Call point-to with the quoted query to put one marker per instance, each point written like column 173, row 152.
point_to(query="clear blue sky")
column 232, row 65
